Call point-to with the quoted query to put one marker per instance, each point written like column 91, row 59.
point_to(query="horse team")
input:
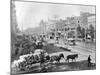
column 42, row 58
column 57, row 58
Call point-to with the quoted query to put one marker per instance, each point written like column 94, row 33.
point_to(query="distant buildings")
column 67, row 28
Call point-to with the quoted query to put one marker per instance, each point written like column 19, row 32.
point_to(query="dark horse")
column 57, row 58
column 73, row 57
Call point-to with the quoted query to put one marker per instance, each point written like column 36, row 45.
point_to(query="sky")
column 29, row 14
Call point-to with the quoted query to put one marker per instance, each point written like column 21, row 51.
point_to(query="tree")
column 14, row 28
column 91, row 31
column 83, row 33
column 79, row 31
column 87, row 33
column 71, row 34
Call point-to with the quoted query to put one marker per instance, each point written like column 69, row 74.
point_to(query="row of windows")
column 65, row 29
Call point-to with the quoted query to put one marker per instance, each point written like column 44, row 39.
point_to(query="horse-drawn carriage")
column 71, row 41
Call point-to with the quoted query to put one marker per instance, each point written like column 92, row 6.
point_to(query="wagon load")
column 28, row 61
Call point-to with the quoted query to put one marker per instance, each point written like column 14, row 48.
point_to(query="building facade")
column 92, row 21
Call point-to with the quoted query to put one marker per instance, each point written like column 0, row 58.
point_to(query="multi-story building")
column 92, row 21
column 63, row 28
column 68, row 27
column 84, row 16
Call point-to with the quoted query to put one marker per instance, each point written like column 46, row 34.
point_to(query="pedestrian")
column 89, row 61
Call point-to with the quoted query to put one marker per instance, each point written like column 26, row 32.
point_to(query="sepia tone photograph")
column 52, row 37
